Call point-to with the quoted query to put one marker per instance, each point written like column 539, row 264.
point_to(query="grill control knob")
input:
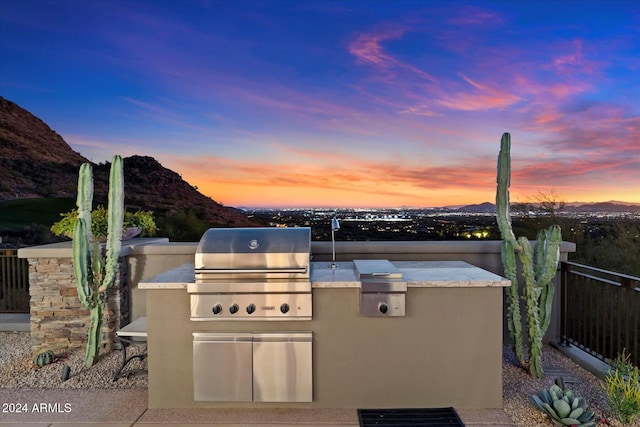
column 251, row 308
column 284, row 308
column 234, row 308
column 216, row 309
column 383, row 308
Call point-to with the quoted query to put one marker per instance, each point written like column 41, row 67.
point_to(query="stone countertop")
column 417, row 274
column 65, row 249
column 177, row 278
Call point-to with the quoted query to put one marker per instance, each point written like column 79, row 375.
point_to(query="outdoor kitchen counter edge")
column 417, row 274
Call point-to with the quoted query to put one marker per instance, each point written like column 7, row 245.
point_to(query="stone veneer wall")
column 58, row 320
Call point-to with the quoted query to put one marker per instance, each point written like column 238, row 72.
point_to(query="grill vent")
column 429, row 417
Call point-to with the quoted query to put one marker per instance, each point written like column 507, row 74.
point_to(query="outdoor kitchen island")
column 444, row 350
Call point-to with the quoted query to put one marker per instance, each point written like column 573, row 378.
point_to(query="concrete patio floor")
column 126, row 408
column 73, row 407
column 121, row 408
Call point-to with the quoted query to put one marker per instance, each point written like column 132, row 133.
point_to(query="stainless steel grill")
column 252, row 274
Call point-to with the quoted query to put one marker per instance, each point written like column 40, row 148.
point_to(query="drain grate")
column 430, row 417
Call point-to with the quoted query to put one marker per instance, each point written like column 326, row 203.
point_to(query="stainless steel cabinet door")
column 222, row 366
column 282, row 367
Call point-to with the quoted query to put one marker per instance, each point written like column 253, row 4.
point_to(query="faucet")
column 335, row 226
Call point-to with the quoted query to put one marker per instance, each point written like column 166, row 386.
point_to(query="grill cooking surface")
column 252, row 273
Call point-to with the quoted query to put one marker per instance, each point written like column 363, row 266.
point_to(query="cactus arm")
column 81, row 261
column 97, row 262
column 94, row 335
column 549, row 254
column 82, row 237
column 539, row 253
column 546, row 300
column 85, row 196
column 514, row 319
column 509, row 247
column 115, row 219
column 502, row 193
column 531, row 295
column 549, row 265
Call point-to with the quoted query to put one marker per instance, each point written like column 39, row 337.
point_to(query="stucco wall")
column 149, row 260
column 450, row 340
column 52, row 283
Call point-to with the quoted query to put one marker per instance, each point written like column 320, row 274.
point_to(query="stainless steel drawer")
column 222, row 365
column 282, row 367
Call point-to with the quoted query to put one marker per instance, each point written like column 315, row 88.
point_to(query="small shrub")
column 623, row 389
column 182, row 226
column 99, row 224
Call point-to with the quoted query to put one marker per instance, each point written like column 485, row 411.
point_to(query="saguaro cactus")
column 94, row 268
column 538, row 269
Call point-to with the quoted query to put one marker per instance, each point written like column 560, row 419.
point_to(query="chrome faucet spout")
column 335, row 226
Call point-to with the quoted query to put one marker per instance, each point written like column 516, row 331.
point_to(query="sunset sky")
column 341, row 103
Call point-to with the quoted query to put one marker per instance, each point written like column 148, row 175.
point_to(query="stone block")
column 51, row 325
column 48, row 268
column 41, row 314
column 59, row 333
column 46, row 290
column 77, row 335
column 67, row 315
column 77, row 324
column 72, row 301
column 67, row 292
column 61, row 277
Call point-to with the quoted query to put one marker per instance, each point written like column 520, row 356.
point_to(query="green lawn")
column 17, row 214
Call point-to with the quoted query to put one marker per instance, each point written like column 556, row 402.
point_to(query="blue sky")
column 342, row 103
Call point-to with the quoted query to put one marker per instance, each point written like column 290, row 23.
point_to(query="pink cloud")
column 367, row 48
column 573, row 60
column 484, row 98
column 416, row 91
column 475, row 16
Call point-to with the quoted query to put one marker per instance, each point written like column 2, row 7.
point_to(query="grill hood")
column 253, row 253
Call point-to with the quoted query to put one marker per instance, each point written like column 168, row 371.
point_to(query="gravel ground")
column 518, row 386
column 18, row 371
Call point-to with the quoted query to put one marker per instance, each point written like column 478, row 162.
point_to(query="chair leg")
column 121, row 372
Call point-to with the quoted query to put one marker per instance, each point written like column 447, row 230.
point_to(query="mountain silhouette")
column 36, row 162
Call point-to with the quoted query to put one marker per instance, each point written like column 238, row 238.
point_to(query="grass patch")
column 17, row 214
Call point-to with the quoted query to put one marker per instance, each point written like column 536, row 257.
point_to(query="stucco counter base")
column 446, row 351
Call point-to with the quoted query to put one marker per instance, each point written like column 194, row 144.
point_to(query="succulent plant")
column 44, row 358
column 564, row 408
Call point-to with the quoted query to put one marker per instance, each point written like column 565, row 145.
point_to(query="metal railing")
column 14, row 282
column 600, row 311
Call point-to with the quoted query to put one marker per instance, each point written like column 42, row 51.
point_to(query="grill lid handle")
column 250, row 270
